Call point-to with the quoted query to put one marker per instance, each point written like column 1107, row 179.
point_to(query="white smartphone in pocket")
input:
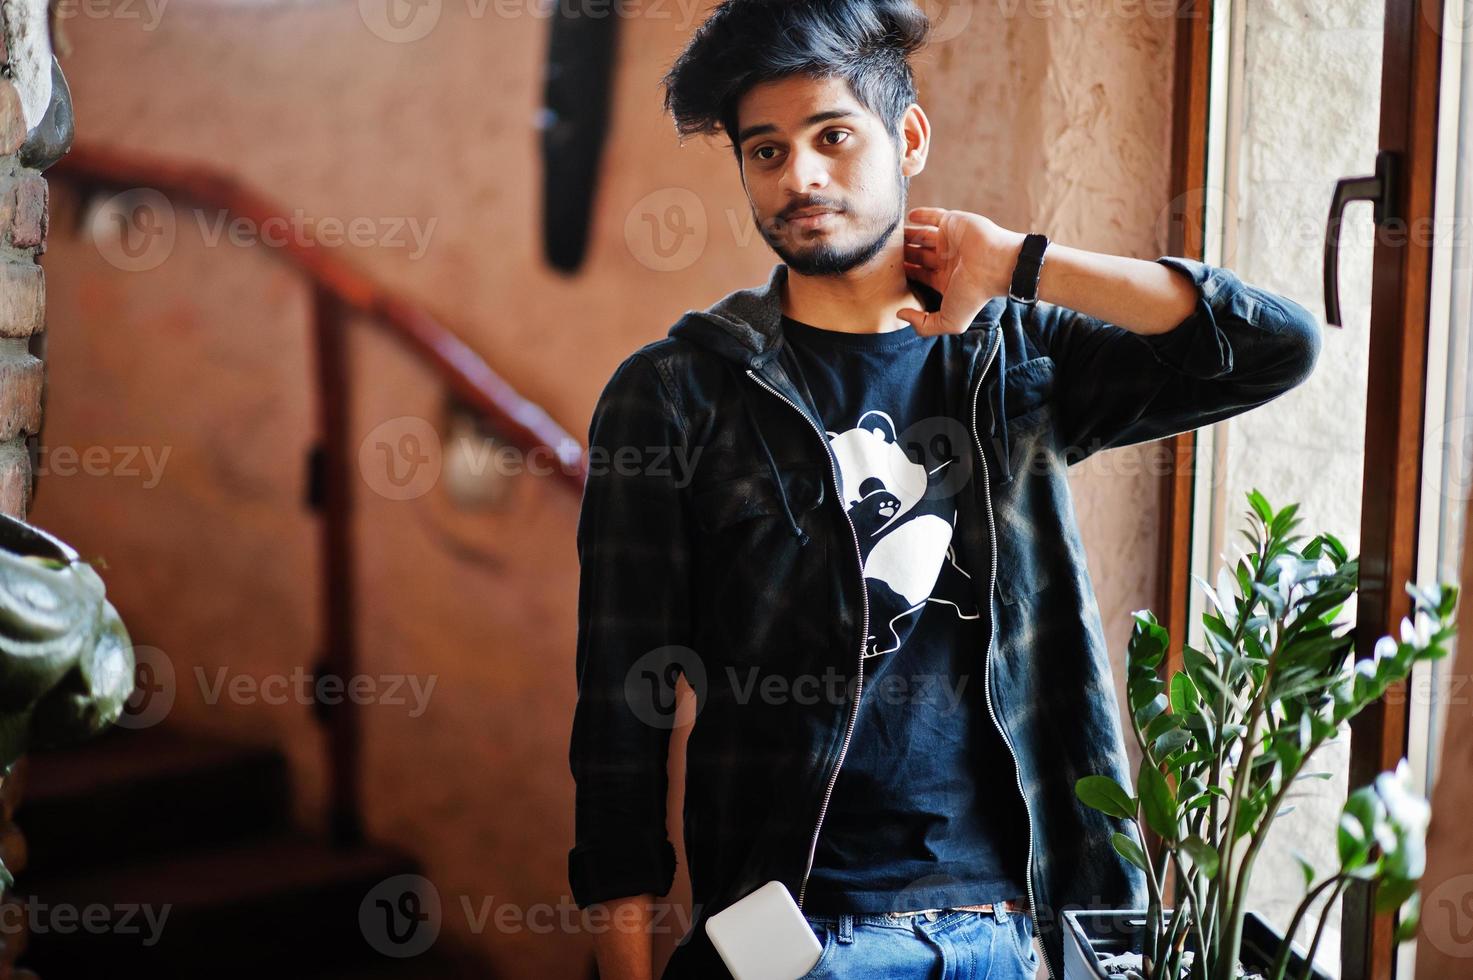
column 764, row 936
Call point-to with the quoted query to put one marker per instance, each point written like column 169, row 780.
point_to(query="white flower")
column 1385, row 647
column 1404, row 803
column 1227, row 593
column 1288, row 567
column 1419, row 635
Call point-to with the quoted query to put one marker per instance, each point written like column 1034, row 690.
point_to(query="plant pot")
column 1090, row 937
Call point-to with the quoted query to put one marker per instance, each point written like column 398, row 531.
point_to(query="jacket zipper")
column 987, row 657
column 863, row 636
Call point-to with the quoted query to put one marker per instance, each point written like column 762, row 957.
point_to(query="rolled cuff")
column 598, row 872
column 1197, row 346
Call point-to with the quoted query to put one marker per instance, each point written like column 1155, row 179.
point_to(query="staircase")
column 160, row 854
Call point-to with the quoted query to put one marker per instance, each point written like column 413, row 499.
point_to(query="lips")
column 810, row 217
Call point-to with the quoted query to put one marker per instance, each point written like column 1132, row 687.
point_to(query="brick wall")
column 22, row 319
column 22, row 306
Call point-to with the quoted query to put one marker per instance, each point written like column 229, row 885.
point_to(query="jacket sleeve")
column 634, row 625
column 1242, row 347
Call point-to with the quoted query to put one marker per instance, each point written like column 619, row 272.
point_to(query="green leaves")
column 1105, row 795
column 1223, row 739
column 1203, row 855
column 1158, row 802
column 1127, row 848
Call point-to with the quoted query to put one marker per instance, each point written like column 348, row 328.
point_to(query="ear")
column 915, row 140
column 882, row 425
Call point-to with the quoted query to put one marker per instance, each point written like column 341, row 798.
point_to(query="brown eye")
column 836, row 132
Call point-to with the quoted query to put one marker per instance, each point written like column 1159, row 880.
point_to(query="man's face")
column 808, row 147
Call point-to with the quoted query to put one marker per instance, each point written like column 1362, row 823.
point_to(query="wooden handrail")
column 520, row 422
column 338, row 290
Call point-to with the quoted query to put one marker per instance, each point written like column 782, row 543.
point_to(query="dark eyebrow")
column 763, row 128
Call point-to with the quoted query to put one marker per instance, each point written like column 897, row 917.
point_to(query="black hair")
column 868, row 43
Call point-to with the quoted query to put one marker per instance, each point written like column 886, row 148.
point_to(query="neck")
column 863, row 300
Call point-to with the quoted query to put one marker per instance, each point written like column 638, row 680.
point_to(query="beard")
column 822, row 257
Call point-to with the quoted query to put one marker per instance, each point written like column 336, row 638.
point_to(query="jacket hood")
column 745, row 328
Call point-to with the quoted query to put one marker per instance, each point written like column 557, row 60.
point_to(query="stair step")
column 128, row 794
column 236, row 911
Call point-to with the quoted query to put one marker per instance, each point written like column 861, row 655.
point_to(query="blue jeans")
column 950, row 944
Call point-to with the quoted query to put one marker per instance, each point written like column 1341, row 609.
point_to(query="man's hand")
column 967, row 258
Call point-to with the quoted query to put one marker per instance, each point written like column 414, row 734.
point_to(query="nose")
column 806, row 172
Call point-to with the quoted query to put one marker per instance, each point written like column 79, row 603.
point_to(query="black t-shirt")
column 925, row 812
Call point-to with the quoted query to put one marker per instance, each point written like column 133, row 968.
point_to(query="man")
column 843, row 514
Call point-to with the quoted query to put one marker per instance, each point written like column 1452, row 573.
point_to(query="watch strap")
column 1024, row 287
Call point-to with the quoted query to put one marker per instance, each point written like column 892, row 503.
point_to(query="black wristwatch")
column 1024, row 287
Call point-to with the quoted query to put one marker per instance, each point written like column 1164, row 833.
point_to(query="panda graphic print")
column 897, row 471
column 910, row 564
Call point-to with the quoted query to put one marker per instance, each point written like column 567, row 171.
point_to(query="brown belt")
column 1009, row 904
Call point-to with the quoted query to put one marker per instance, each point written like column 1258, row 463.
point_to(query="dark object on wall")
column 574, row 121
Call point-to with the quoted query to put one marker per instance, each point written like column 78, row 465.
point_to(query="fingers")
column 925, row 216
column 927, row 235
column 921, row 255
column 920, row 273
column 916, row 318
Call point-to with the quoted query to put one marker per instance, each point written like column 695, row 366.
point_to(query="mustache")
column 787, row 213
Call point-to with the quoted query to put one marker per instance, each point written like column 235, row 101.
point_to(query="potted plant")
column 66, row 661
column 1223, row 741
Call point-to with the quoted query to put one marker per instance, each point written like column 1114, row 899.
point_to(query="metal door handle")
column 1380, row 190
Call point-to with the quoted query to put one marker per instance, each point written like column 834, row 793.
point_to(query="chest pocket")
column 1029, row 393
column 742, row 498
column 765, row 599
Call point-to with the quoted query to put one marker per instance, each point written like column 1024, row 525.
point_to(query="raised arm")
column 1241, row 347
